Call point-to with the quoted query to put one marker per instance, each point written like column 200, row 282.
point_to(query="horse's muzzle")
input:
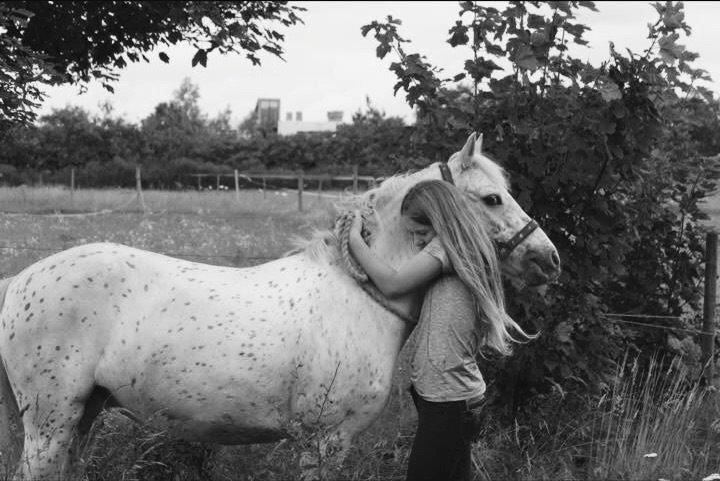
column 542, row 267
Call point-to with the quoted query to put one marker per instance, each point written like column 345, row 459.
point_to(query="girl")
column 462, row 309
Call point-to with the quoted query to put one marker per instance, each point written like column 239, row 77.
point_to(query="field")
column 214, row 228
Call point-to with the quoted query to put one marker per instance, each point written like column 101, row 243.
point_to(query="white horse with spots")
column 226, row 355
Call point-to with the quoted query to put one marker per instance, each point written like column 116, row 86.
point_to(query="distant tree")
column 49, row 42
column 376, row 143
column 248, row 127
column 176, row 127
column 68, row 137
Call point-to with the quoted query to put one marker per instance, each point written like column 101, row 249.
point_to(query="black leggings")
column 441, row 448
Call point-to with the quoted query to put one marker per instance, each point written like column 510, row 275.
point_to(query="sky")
column 329, row 65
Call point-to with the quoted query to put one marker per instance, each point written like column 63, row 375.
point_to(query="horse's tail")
column 10, row 422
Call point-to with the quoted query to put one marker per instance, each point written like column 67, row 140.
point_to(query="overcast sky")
column 330, row 66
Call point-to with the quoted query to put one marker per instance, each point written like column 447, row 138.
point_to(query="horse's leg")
column 48, row 435
column 51, row 422
column 10, row 426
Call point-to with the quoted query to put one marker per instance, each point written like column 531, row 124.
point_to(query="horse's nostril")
column 555, row 258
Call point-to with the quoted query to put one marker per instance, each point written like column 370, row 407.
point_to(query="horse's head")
column 526, row 254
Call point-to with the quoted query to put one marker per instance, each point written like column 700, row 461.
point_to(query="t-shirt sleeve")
column 436, row 249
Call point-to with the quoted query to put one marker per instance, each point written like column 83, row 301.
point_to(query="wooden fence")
column 298, row 177
column 260, row 179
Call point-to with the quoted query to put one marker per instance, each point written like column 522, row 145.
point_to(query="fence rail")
column 259, row 179
column 300, row 176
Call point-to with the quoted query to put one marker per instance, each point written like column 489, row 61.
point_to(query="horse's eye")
column 492, row 200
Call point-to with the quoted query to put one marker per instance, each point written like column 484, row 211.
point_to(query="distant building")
column 290, row 127
column 268, row 114
column 335, row 116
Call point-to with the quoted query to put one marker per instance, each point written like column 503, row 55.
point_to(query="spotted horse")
column 227, row 355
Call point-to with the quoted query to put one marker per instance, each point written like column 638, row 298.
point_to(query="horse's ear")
column 478, row 145
column 467, row 152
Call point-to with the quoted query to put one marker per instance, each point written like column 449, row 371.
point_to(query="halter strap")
column 505, row 248
column 445, row 173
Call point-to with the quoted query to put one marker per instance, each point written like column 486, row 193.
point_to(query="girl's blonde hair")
column 441, row 205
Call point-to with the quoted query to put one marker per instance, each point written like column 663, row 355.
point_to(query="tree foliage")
column 610, row 159
column 60, row 42
column 177, row 139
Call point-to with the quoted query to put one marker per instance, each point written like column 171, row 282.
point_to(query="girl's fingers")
column 357, row 221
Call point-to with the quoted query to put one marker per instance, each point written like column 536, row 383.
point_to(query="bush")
column 610, row 160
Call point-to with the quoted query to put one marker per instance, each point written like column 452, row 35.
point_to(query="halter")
column 504, row 248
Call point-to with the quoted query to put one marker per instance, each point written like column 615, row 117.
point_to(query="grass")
column 649, row 409
column 656, row 424
column 55, row 199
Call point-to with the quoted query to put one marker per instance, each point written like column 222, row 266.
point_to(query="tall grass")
column 656, row 423
column 653, row 422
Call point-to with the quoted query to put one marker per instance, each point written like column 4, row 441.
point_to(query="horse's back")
column 229, row 353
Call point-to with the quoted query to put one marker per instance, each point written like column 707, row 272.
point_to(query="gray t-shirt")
column 436, row 249
column 443, row 366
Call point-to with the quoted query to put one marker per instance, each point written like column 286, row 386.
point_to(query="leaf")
column 164, row 57
column 200, row 57
column 669, row 50
column 459, row 35
column 365, row 29
column 673, row 20
column 589, row 5
column 562, row 331
column 618, row 109
column 608, row 89
column 535, row 21
column 382, row 50
column 525, row 58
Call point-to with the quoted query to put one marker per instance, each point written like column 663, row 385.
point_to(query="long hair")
column 471, row 252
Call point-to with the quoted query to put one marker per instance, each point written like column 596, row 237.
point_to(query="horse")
column 227, row 355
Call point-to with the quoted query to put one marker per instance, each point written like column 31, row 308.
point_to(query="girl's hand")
column 356, row 227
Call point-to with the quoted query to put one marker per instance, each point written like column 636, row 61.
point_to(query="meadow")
column 648, row 426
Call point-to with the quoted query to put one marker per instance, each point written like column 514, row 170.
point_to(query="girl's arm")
column 412, row 275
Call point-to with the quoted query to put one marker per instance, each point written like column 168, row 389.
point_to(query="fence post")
column 300, row 190
column 264, row 187
column 355, row 179
column 217, row 182
column 237, row 186
column 138, row 187
column 320, row 189
column 199, row 182
column 708, row 337
column 72, row 186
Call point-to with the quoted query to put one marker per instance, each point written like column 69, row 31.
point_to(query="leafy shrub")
column 610, row 160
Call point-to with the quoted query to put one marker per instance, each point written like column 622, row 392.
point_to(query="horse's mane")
column 322, row 243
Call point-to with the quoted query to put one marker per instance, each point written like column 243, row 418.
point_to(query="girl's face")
column 421, row 233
